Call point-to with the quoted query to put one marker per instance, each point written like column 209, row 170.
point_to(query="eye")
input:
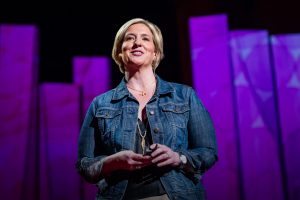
column 146, row 39
column 129, row 38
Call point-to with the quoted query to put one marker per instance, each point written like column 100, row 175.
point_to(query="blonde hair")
column 157, row 40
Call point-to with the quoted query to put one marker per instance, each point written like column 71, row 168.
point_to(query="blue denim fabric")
column 177, row 119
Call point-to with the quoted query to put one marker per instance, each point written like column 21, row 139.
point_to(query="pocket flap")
column 107, row 113
column 176, row 108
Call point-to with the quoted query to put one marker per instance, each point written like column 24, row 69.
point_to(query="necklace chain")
column 143, row 142
column 140, row 132
column 142, row 92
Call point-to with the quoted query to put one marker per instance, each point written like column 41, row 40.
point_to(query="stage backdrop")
column 212, row 81
column 248, row 80
column 18, row 112
column 286, row 58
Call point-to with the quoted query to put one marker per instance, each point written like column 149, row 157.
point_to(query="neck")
column 140, row 79
column 141, row 82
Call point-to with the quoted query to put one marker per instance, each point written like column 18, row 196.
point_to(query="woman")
column 147, row 138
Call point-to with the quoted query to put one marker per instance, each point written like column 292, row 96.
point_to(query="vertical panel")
column 59, row 125
column 212, row 80
column 257, row 116
column 92, row 74
column 286, row 50
column 18, row 80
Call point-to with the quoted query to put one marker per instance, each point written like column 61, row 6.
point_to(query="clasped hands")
column 161, row 155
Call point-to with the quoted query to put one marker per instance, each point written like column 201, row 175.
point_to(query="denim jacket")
column 177, row 119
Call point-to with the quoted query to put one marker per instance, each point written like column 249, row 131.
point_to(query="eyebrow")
column 143, row 34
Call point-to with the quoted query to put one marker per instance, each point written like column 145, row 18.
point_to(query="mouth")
column 137, row 53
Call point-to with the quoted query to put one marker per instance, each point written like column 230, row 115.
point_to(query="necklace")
column 142, row 92
column 143, row 143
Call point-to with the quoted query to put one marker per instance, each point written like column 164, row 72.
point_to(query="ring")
column 167, row 155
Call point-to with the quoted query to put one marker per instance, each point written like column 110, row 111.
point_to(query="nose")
column 137, row 41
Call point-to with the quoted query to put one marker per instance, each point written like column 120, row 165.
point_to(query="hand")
column 164, row 156
column 125, row 160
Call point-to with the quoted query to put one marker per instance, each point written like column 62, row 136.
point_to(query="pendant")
column 143, row 93
column 143, row 145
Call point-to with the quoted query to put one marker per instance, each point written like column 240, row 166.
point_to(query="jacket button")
column 156, row 130
column 151, row 112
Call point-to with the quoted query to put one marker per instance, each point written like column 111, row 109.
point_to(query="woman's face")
column 138, row 48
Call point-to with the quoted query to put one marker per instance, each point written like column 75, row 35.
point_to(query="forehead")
column 139, row 28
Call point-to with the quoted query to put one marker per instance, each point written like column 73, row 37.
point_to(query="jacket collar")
column 163, row 88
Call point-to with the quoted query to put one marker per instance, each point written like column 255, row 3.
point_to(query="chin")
column 136, row 63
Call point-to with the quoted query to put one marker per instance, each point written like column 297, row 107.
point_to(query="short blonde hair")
column 157, row 40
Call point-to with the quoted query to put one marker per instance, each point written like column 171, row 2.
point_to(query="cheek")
column 123, row 49
column 152, row 49
column 123, row 54
column 125, row 46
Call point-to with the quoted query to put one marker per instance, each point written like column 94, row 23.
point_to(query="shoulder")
column 180, row 86
column 104, row 98
column 181, row 89
column 179, row 93
column 183, row 92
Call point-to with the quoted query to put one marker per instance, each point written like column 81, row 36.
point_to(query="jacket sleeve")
column 89, row 163
column 202, row 147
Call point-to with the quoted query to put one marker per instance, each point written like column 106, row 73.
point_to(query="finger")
column 164, row 163
column 153, row 147
column 161, row 157
column 140, row 166
column 134, row 162
column 159, row 150
column 142, row 158
column 136, row 156
column 146, row 162
column 157, row 153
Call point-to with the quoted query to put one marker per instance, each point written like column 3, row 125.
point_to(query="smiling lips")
column 137, row 53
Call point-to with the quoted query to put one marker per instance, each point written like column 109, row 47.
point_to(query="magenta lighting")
column 18, row 116
column 92, row 75
column 250, row 83
column 286, row 55
column 248, row 80
column 213, row 83
column 256, row 114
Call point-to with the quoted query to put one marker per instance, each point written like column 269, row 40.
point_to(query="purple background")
column 59, row 123
column 256, row 115
column 286, row 50
column 211, row 75
column 248, row 80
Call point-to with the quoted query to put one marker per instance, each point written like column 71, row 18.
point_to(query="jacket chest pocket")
column 108, row 119
column 177, row 114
